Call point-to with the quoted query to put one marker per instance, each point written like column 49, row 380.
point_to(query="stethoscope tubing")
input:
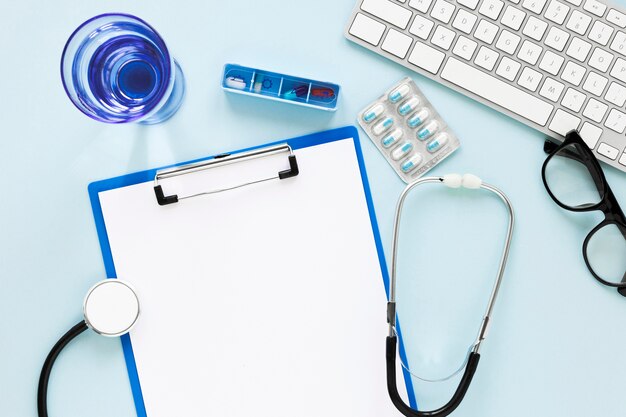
column 474, row 355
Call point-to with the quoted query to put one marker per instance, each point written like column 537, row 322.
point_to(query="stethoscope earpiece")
column 111, row 308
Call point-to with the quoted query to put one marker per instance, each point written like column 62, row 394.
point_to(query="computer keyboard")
column 554, row 65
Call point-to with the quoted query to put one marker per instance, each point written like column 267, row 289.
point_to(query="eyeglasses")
column 575, row 181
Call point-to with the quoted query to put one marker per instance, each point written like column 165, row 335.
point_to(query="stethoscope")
column 471, row 182
column 111, row 308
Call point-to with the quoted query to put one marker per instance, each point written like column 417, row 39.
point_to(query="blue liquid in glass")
column 129, row 73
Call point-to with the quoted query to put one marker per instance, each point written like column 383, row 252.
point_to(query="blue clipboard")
column 144, row 176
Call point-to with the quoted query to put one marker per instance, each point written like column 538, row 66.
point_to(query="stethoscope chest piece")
column 111, row 308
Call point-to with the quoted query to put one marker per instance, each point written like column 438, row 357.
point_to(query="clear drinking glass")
column 117, row 69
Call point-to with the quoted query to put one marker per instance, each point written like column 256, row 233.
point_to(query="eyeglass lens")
column 606, row 253
column 570, row 179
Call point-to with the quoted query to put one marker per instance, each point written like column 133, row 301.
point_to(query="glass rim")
column 159, row 103
column 593, row 231
column 602, row 192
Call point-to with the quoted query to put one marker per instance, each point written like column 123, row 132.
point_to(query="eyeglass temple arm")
column 448, row 408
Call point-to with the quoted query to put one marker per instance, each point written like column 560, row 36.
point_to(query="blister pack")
column 407, row 130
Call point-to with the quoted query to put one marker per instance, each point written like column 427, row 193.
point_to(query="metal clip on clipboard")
column 222, row 160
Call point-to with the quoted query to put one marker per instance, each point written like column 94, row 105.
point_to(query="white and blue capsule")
column 437, row 143
column 373, row 112
column 383, row 126
column 399, row 93
column 418, row 118
column 411, row 163
column 392, row 138
column 428, row 130
column 408, row 106
column 401, row 151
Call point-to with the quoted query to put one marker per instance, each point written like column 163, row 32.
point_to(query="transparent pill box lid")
column 280, row 87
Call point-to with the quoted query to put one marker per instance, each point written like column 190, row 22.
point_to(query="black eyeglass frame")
column 608, row 204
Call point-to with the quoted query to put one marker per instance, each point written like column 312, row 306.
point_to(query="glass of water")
column 117, row 69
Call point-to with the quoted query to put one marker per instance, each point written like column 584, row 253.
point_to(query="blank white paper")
column 266, row 300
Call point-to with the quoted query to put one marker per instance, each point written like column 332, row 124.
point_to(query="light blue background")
column 556, row 344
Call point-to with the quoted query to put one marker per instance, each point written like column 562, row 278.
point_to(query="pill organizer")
column 274, row 86
column 408, row 131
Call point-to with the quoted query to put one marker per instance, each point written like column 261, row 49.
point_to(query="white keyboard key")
column 367, row 29
column 397, row 43
column 616, row 120
column 551, row 62
column 486, row 31
column 535, row 28
column 616, row 94
column 507, row 42
column 557, row 12
column 534, row 5
column 514, row 1
column 578, row 22
column 595, row 110
column 619, row 43
column 619, row 70
column 529, row 79
column 421, row 5
column 508, row 68
column 573, row 100
column 388, row 11
column 529, row 52
column 590, row 134
column 616, row 18
column 551, row 89
column 573, row 73
column 464, row 21
column 426, row 57
column 575, row 2
column 563, row 122
column 464, row 48
column 556, row 38
column 486, row 58
column 578, row 49
column 595, row 7
column 513, row 17
column 492, row 8
column 622, row 160
column 608, row 151
column 443, row 37
column 469, row 3
column 600, row 59
column 442, row 11
column 497, row 91
column 600, row 33
column 595, row 83
column 421, row 27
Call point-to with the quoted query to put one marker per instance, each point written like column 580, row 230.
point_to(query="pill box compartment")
column 275, row 86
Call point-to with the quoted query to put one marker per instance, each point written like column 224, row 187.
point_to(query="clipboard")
column 167, row 194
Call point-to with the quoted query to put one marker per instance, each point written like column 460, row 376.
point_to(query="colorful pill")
column 411, row 163
column 402, row 150
column 392, row 138
column 373, row 113
column 408, row 106
column 399, row 93
column 383, row 126
column 418, row 118
column 436, row 144
column 428, row 130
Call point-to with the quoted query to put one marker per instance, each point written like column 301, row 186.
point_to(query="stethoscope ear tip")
column 111, row 307
column 469, row 181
